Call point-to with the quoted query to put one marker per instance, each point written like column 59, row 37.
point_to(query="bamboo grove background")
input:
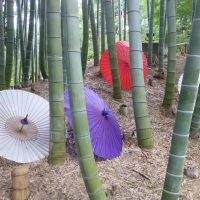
column 45, row 39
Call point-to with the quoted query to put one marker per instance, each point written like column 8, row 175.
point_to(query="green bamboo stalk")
column 36, row 44
column 19, row 21
column 42, row 48
column 64, row 42
column 143, row 126
column 125, row 6
column 57, row 152
column 4, row 15
column 84, row 49
column 161, row 36
column 20, row 71
column 150, row 44
column 193, row 7
column 32, row 68
column 98, row 32
column 171, row 68
column 195, row 124
column 102, row 27
column 148, row 11
column 29, row 45
column 110, row 27
column 9, row 42
column 185, row 109
column 16, row 54
column 94, row 34
column 120, row 20
column 113, row 7
column 2, row 63
column 25, row 14
column 77, row 105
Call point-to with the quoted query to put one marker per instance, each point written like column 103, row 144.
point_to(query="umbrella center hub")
column 105, row 113
column 23, row 130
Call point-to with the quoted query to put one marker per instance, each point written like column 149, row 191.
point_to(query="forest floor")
column 136, row 175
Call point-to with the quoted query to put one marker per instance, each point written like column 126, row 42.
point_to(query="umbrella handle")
column 24, row 122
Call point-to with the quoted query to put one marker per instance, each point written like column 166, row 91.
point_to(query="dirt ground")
column 135, row 175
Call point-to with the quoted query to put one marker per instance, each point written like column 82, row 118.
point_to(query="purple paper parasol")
column 105, row 133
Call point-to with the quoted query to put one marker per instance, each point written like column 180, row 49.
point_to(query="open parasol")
column 179, row 83
column 105, row 133
column 24, row 126
column 123, row 57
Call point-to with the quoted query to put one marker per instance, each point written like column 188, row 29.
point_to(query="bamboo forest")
column 99, row 99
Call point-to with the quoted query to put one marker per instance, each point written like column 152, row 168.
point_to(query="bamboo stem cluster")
column 185, row 110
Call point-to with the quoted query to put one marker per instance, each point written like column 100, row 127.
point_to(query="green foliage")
column 184, row 19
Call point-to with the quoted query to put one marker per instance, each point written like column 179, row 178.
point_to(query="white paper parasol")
column 24, row 126
column 179, row 83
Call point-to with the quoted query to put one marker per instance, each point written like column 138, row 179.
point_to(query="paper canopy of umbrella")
column 105, row 134
column 123, row 58
column 24, row 126
column 179, row 83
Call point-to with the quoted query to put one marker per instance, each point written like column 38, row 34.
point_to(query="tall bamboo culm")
column 94, row 33
column 64, row 41
column 77, row 103
column 120, row 19
column 161, row 36
column 22, row 48
column 195, row 124
column 57, row 153
column 110, row 27
column 36, row 45
column 102, row 27
column 9, row 42
column 29, row 48
column 185, row 110
column 84, row 49
column 125, row 8
column 171, row 68
column 42, row 43
column 151, row 25
column 2, row 63
column 143, row 126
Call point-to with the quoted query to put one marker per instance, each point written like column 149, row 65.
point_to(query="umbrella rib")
column 97, row 136
column 37, row 144
column 39, row 109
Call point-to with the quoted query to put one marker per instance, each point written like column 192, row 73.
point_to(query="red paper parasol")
column 122, row 49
